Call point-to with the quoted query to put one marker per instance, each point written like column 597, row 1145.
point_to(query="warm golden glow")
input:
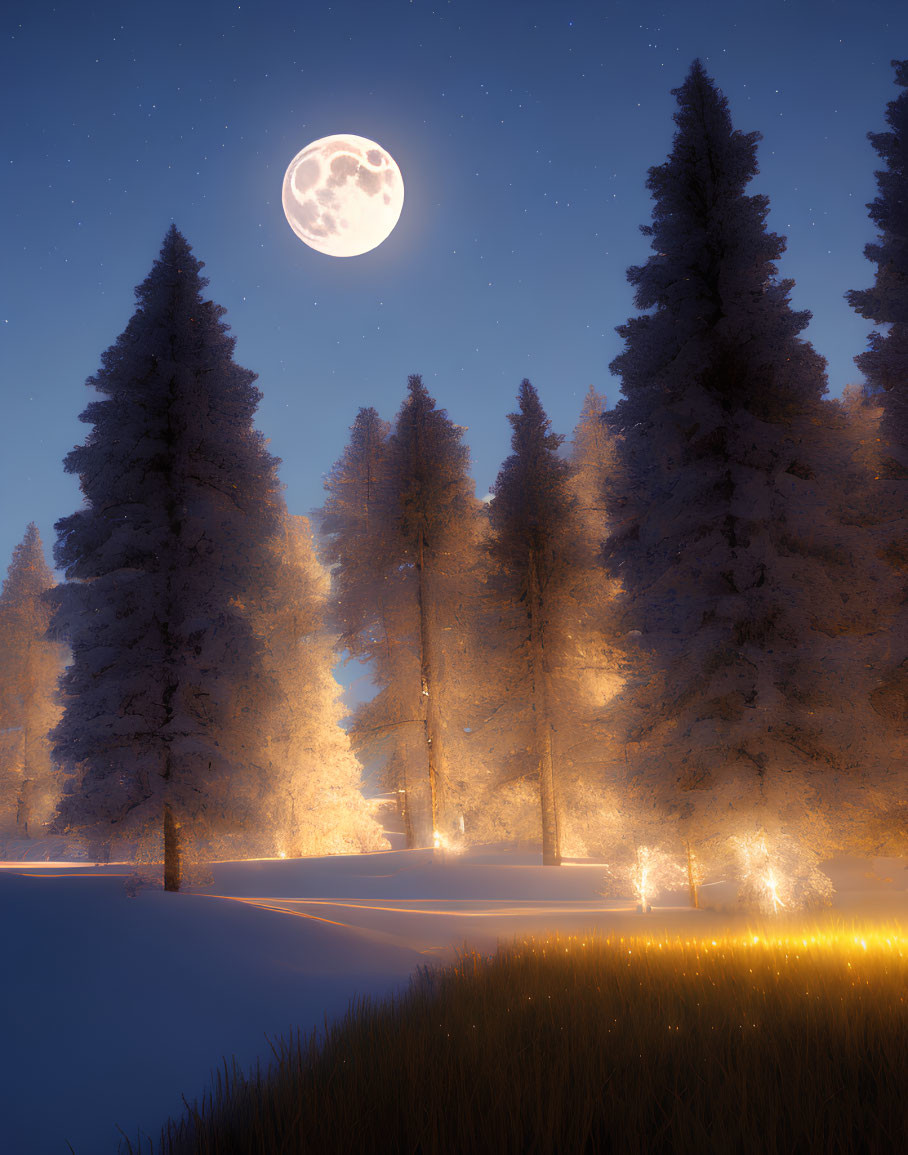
column 651, row 871
column 772, row 873
column 442, row 842
column 772, row 888
column 854, row 946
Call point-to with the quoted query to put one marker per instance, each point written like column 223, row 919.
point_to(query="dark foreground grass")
column 792, row 1043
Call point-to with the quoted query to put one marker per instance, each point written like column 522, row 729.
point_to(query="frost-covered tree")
column 181, row 500
column 30, row 665
column 432, row 510
column 354, row 530
column 399, row 519
column 531, row 503
column 743, row 594
column 579, row 671
column 885, row 364
column 585, row 666
column 885, row 368
column 306, row 797
column 354, row 534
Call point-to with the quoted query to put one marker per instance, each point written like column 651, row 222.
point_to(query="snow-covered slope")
column 114, row 1007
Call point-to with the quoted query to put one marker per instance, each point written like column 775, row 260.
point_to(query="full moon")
column 342, row 195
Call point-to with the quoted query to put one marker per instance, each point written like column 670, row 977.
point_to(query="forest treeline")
column 684, row 628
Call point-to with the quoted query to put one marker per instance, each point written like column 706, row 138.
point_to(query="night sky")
column 524, row 132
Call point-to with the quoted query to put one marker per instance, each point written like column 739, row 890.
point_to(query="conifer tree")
column 306, row 797
column 531, row 502
column 885, row 369
column 181, row 499
column 740, row 593
column 354, row 528
column 586, row 672
column 30, row 665
column 399, row 544
column 581, row 673
column 885, row 364
column 434, row 507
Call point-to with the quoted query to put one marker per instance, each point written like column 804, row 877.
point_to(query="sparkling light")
column 652, row 870
column 449, row 845
column 778, row 874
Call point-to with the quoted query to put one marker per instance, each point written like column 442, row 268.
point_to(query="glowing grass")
column 782, row 1039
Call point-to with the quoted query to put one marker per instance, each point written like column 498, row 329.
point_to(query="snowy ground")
column 114, row 1007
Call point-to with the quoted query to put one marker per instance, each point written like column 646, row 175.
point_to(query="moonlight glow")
column 343, row 195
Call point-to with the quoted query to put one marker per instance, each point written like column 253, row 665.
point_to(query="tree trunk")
column 23, row 808
column 173, row 851
column 399, row 780
column 23, row 800
column 551, row 841
column 692, row 879
column 399, row 777
column 429, row 694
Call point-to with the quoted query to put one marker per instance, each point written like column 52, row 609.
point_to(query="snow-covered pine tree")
column 307, row 796
column 585, row 669
column 500, row 800
column 181, row 500
column 396, row 577
column 885, row 364
column 531, row 503
column 353, row 531
column 30, row 665
column 581, row 673
column 742, row 592
column 885, row 369
column 432, row 529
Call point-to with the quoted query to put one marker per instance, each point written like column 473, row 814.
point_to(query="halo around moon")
column 343, row 195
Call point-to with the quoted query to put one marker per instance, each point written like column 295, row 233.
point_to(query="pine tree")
column 306, row 797
column 354, row 532
column 433, row 520
column 531, row 502
column 30, row 665
column 353, row 528
column 741, row 593
column 586, row 674
column 581, row 674
column 399, row 519
column 885, row 364
column 885, row 368
column 181, row 499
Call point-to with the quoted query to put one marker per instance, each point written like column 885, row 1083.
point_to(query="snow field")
column 116, row 1007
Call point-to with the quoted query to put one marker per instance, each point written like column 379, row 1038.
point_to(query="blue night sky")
column 524, row 132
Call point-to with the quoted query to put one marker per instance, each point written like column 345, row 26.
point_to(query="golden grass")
column 774, row 1041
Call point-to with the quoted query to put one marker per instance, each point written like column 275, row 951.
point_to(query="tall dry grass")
column 793, row 1041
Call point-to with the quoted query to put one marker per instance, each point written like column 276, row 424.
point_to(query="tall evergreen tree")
column 581, row 675
column 885, row 368
column 435, row 506
column 306, row 796
column 399, row 519
column 354, row 530
column 531, row 503
column 181, row 499
column 740, row 592
column 585, row 664
column 30, row 665
column 885, row 364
